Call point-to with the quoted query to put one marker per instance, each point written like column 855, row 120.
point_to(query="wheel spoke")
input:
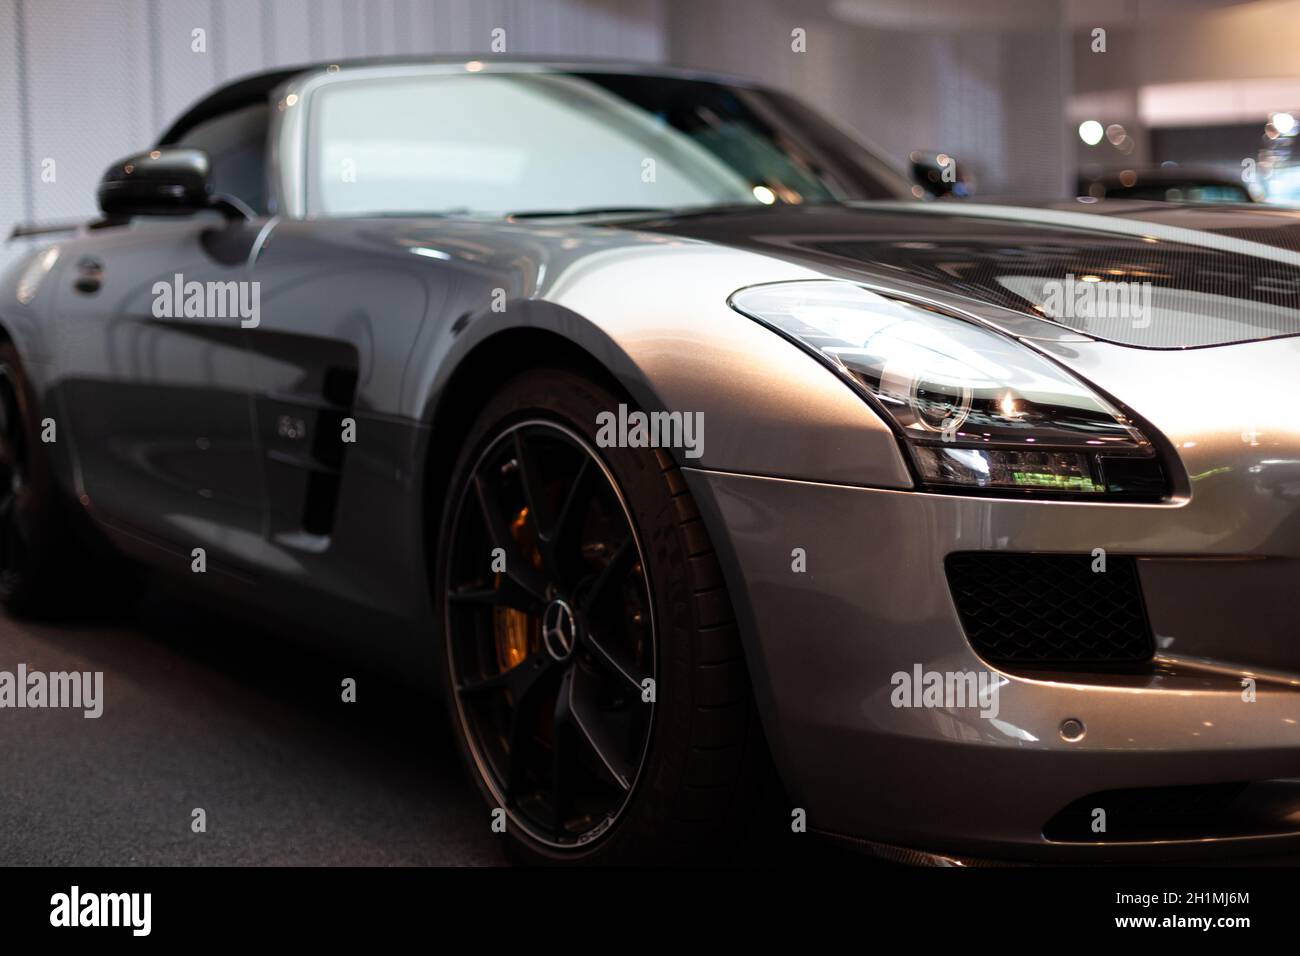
column 507, row 593
column 523, row 722
column 566, row 520
column 535, row 498
column 608, row 660
column 562, row 536
column 592, row 730
column 612, row 575
column 472, row 595
column 529, row 476
column 560, row 734
column 518, row 680
column 518, row 566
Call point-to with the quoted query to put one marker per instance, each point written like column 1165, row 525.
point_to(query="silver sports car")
column 660, row 425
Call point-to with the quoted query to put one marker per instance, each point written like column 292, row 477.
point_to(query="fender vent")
column 1051, row 610
column 301, row 431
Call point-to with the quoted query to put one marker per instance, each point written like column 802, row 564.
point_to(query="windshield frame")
column 291, row 113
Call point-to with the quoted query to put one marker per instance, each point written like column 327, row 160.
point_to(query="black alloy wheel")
column 551, row 633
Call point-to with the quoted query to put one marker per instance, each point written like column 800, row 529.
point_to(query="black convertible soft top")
column 245, row 92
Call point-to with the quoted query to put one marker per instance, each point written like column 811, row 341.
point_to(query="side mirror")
column 938, row 174
column 161, row 182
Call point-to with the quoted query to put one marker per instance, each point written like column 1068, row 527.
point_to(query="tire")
column 704, row 764
column 31, row 528
column 42, row 558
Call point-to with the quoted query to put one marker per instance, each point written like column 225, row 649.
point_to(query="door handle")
column 90, row 275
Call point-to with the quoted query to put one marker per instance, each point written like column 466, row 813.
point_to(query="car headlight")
column 976, row 409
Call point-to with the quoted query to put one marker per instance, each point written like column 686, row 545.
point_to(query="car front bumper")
column 824, row 644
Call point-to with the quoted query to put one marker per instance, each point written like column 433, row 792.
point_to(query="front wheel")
column 593, row 666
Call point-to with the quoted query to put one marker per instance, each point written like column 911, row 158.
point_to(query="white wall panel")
column 87, row 96
column 246, row 43
column 105, row 78
column 992, row 95
column 184, row 73
column 16, row 182
column 291, row 25
column 337, row 36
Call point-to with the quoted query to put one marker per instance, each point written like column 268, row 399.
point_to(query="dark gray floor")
column 202, row 712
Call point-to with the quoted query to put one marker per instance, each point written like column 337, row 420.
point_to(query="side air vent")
column 301, row 422
column 1051, row 610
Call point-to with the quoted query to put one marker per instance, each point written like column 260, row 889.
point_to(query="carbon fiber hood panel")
column 1148, row 275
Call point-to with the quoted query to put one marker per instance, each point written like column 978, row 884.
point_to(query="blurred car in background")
column 1167, row 184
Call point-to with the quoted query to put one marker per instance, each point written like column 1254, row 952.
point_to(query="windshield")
column 495, row 144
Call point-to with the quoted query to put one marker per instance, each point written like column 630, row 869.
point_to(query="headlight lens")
column 978, row 409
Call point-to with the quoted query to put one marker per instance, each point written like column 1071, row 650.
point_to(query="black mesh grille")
column 1051, row 609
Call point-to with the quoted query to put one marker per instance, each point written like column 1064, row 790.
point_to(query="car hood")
column 1138, row 274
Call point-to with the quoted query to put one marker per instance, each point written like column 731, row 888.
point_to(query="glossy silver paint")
column 182, row 434
column 828, row 641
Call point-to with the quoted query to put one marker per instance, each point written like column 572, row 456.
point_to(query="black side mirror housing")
column 938, row 174
column 168, row 181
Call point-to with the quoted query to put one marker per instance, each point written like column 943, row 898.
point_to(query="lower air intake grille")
column 1195, row 812
column 1051, row 609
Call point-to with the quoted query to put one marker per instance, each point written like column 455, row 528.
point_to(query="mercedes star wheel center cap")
column 559, row 630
